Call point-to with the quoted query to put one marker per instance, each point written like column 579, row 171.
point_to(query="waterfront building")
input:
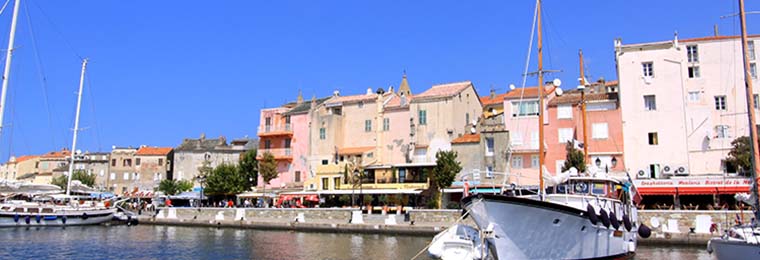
column 20, row 168
column 604, row 123
column 521, row 109
column 48, row 163
column 96, row 164
column 122, row 177
column 152, row 164
column 191, row 154
column 683, row 102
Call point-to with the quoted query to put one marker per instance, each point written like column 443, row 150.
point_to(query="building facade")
column 153, row 164
column 191, row 154
column 122, row 176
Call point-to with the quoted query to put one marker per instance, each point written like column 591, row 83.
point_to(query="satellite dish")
column 558, row 91
column 557, row 82
column 474, row 122
column 472, row 130
column 512, row 86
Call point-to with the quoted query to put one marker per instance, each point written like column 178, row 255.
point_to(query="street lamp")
column 201, row 179
column 614, row 162
column 598, row 162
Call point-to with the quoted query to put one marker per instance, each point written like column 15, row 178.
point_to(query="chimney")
column 675, row 39
column 369, row 91
column 715, row 30
column 493, row 93
column 336, row 93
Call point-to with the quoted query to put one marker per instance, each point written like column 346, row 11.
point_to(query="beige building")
column 48, row 163
column 153, row 164
column 123, row 177
column 20, row 168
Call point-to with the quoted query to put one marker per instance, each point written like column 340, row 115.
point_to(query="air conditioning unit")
column 642, row 175
column 667, row 170
column 682, row 171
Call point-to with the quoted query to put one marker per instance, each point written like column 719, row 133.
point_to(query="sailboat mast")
column 750, row 111
column 76, row 127
column 583, row 108
column 540, row 105
column 8, row 56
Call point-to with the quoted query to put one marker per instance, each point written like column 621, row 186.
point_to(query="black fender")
column 604, row 218
column 592, row 214
column 614, row 221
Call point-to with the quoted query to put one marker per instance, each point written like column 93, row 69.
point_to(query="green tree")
column 740, row 154
column 444, row 173
column 268, row 168
column 79, row 175
column 174, row 187
column 226, row 179
column 574, row 158
column 249, row 168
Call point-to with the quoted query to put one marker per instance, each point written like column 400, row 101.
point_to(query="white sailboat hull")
column 529, row 229
column 57, row 218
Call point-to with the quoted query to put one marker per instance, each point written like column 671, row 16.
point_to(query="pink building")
column 521, row 120
column 603, row 119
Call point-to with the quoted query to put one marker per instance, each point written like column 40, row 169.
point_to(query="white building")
column 683, row 102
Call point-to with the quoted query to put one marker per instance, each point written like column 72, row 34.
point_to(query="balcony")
column 275, row 130
column 279, row 153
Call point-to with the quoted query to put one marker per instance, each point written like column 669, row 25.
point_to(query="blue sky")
column 162, row 71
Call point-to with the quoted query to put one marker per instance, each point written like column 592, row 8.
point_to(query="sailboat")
column 572, row 216
column 72, row 212
column 743, row 241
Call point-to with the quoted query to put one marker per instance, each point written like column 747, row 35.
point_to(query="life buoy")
column 84, row 216
column 28, row 219
column 38, row 218
column 627, row 222
column 644, row 231
column 592, row 214
column 614, row 221
column 15, row 218
column 604, row 218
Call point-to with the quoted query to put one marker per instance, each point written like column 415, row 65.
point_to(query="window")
column 565, row 135
column 287, row 123
column 517, row 162
column 650, row 103
column 467, row 118
column 564, row 112
column 692, row 53
column 137, row 162
column 113, row 176
column 525, row 108
column 336, row 181
column 648, row 69
column 599, row 131
column 361, row 104
column 654, row 170
column 298, row 176
column 534, row 140
column 721, row 131
column 367, row 125
column 386, row 124
column 113, row 162
column 136, row 176
column 322, row 134
column 156, row 176
column 693, row 96
column 754, row 100
column 693, row 72
column 489, row 146
column 489, row 172
column 324, row 162
column 516, row 139
column 102, row 173
column 127, row 162
column 160, row 161
column 422, row 117
column 534, row 161
column 267, row 144
column 126, row 176
column 751, row 49
column 268, row 124
column 325, row 183
column 287, row 143
column 720, row 102
column 653, row 138
column 753, row 70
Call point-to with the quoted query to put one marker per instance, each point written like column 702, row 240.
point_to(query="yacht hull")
column 61, row 218
column 525, row 228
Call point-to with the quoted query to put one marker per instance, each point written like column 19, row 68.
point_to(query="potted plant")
column 368, row 203
column 345, row 200
column 399, row 201
column 383, row 199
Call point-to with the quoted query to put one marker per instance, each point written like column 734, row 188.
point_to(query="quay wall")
column 671, row 227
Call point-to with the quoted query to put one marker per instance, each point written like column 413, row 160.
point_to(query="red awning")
column 692, row 190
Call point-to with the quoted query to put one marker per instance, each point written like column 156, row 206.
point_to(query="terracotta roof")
column 396, row 101
column 527, row 92
column 354, row 150
column 468, row 138
column 353, row 98
column 25, row 158
column 575, row 98
column 153, row 151
column 57, row 154
column 487, row 100
column 444, row 90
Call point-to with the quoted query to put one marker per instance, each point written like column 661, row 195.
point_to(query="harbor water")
column 171, row 242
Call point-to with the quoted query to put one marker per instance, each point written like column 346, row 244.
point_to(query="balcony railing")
column 278, row 153
column 275, row 130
